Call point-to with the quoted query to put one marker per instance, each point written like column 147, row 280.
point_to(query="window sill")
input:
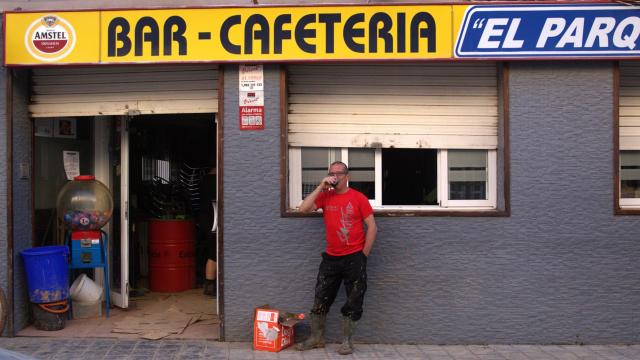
column 627, row 210
column 440, row 212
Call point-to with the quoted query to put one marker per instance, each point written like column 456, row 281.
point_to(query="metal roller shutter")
column 91, row 91
column 441, row 106
column 629, row 110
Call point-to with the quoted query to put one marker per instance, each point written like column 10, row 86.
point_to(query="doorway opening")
column 161, row 170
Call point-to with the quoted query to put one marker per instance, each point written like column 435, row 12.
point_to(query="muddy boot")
column 348, row 328
column 316, row 340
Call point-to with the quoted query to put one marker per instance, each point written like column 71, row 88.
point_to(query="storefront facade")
column 496, row 180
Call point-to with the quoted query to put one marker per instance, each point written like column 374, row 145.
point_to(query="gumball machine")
column 85, row 205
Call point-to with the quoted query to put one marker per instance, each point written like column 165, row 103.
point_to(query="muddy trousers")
column 350, row 269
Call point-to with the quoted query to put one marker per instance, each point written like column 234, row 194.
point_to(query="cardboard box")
column 268, row 334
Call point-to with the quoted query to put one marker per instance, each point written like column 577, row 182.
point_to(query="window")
column 629, row 178
column 314, row 166
column 469, row 180
column 629, row 136
column 362, row 168
column 415, row 136
column 402, row 179
column 409, row 177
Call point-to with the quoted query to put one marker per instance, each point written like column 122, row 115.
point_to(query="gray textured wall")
column 22, row 233
column 22, row 202
column 560, row 269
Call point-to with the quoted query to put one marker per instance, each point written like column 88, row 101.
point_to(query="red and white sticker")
column 251, row 117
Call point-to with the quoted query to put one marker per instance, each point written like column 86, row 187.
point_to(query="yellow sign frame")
column 269, row 34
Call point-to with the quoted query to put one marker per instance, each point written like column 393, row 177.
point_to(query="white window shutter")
column 128, row 90
column 629, row 108
column 404, row 106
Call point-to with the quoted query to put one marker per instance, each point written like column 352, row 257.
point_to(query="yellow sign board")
column 324, row 33
column 408, row 32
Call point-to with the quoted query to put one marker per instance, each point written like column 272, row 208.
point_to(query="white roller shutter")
column 404, row 106
column 629, row 110
column 122, row 90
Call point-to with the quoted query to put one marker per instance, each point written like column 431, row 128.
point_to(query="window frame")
column 630, row 203
column 492, row 183
column 621, row 206
column 503, row 177
column 625, row 203
column 295, row 183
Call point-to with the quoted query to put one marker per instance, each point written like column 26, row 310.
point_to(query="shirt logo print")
column 346, row 222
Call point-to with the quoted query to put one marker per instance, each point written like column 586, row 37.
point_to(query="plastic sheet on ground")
column 167, row 314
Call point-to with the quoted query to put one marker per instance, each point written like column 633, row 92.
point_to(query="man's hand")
column 308, row 204
column 329, row 182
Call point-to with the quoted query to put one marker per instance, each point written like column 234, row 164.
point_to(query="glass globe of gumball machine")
column 85, row 205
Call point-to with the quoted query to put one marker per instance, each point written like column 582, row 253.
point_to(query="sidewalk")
column 95, row 349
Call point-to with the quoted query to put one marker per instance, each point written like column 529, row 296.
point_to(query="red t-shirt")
column 343, row 219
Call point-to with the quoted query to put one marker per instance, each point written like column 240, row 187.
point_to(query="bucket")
column 47, row 272
column 87, row 310
column 51, row 316
column 171, row 255
column 84, row 289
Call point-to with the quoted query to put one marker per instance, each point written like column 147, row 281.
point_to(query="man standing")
column 345, row 212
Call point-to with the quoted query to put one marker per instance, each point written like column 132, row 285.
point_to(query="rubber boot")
column 348, row 328
column 316, row 340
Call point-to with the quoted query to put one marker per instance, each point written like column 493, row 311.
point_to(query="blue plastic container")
column 47, row 272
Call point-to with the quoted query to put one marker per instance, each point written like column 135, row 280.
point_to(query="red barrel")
column 172, row 255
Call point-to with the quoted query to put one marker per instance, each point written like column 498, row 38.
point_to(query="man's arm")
column 370, row 236
column 309, row 203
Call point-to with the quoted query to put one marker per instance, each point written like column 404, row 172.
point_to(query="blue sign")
column 549, row 31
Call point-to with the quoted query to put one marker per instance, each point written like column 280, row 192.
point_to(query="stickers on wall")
column 251, row 93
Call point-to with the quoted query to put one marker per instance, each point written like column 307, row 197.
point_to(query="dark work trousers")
column 352, row 269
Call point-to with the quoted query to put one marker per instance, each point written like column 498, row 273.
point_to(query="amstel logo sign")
column 50, row 38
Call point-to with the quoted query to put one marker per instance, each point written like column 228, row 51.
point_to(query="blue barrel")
column 47, row 272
